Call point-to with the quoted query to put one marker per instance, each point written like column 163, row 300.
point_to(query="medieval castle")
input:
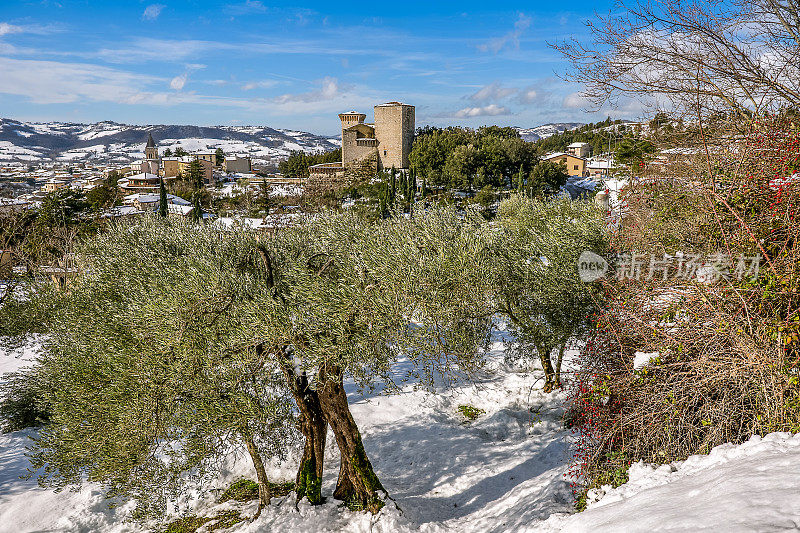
column 371, row 147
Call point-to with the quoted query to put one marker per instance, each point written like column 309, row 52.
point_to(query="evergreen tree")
column 147, row 379
column 520, row 179
column 536, row 283
column 168, row 152
column 195, row 176
column 162, row 198
column 197, row 207
column 220, row 156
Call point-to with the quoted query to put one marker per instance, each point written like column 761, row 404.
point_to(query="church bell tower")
column 150, row 151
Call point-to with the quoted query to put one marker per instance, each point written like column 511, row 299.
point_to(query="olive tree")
column 139, row 373
column 177, row 341
column 346, row 291
column 535, row 274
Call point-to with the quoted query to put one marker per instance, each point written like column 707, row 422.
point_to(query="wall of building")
column 171, row 166
column 354, row 152
column 575, row 165
column 208, row 169
column 236, row 164
column 394, row 129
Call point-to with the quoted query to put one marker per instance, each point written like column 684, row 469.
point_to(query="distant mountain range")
column 546, row 130
column 114, row 143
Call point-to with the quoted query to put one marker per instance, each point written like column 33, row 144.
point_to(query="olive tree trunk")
column 313, row 426
column 261, row 474
column 358, row 484
column 550, row 379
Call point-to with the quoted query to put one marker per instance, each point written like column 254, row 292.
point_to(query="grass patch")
column 190, row 524
column 470, row 412
column 187, row 524
column 374, row 505
column 246, row 490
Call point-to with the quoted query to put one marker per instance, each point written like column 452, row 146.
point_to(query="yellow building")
column 576, row 166
column 53, row 185
column 211, row 157
column 208, row 168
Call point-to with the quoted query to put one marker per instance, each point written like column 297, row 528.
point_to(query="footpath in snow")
column 503, row 472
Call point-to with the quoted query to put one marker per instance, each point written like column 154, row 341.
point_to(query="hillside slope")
column 110, row 142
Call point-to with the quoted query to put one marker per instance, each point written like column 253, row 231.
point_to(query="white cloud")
column 178, row 82
column 492, row 92
column 6, row 29
column 152, row 11
column 575, row 101
column 263, row 84
column 529, row 95
column 50, row 82
column 491, row 110
column 498, row 43
column 38, row 29
column 329, row 90
column 250, row 6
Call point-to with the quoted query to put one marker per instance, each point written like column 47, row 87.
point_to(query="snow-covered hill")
column 546, row 130
column 110, row 142
column 504, row 472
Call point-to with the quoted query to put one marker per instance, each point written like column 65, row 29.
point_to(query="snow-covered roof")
column 179, row 209
column 13, row 201
column 577, row 145
column 143, row 198
column 121, row 211
column 143, row 176
column 561, row 154
column 252, row 223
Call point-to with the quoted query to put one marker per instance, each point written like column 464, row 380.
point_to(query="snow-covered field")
column 504, row 472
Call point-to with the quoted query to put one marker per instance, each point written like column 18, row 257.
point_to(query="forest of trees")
column 296, row 165
column 471, row 159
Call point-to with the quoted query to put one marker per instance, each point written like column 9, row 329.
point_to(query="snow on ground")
column 751, row 487
column 503, row 472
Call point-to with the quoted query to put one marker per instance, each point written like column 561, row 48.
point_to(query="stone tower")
column 394, row 129
column 352, row 118
column 150, row 151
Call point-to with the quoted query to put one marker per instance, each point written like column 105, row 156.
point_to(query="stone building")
column 151, row 162
column 367, row 148
column 580, row 149
column 237, row 164
column 394, row 129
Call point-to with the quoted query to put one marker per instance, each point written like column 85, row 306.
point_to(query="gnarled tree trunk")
column 357, row 482
column 314, row 428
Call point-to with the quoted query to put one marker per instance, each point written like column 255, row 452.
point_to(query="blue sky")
column 289, row 65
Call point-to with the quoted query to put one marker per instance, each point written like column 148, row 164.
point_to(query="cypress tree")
column 393, row 185
column 162, row 198
column 197, row 208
